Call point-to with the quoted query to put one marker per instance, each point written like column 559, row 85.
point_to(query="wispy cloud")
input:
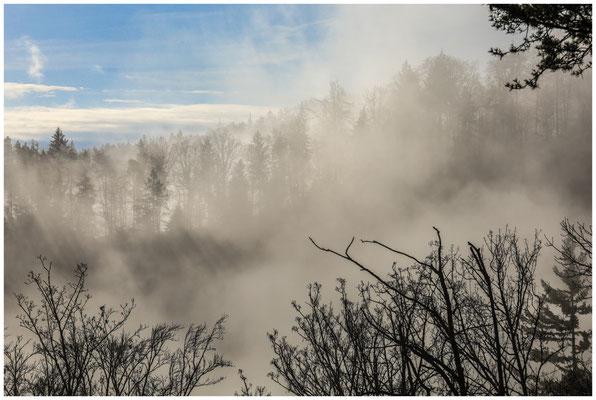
column 130, row 122
column 37, row 60
column 122, row 101
column 98, row 68
column 70, row 103
column 157, row 91
column 199, row 91
column 14, row 90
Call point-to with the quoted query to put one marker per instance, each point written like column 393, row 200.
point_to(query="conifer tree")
column 85, row 198
column 156, row 198
column 564, row 327
column 238, row 201
column 58, row 144
column 206, row 178
column 560, row 321
column 258, row 167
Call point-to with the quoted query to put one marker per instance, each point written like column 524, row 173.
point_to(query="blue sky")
column 116, row 72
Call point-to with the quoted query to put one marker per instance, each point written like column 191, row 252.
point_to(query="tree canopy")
column 560, row 33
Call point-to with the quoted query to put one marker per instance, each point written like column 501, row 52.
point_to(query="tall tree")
column 226, row 152
column 110, row 190
column 258, row 169
column 406, row 112
column 157, row 194
column 58, row 144
column 560, row 324
column 449, row 87
column 61, row 152
column 239, row 206
column 184, row 153
column 206, row 180
column 85, row 197
column 9, row 181
column 336, row 110
column 563, row 328
column 298, row 154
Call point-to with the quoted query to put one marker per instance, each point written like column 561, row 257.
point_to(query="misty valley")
column 430, row 235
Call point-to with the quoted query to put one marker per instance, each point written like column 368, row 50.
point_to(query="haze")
column 377, row 122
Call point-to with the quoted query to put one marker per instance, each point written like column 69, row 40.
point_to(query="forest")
column 276, row 200
column 253, row 171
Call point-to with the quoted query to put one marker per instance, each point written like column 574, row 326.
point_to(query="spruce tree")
column 156, row 198
column 258, row 169
column 59, row 144
column 238, row 201
column 561, row 327
column 85, row 197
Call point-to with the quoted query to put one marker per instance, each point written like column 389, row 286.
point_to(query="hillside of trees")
column 180, row 212
column 442, row 116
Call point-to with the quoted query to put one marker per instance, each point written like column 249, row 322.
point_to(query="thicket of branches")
column 449, row 324
column 70, row 351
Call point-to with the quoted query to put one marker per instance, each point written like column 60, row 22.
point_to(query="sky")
column 109, row 73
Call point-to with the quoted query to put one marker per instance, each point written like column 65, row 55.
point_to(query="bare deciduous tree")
column 74, row 353
column 344, row 355
column 575, row 254
column 247, row 387
column 447, row 324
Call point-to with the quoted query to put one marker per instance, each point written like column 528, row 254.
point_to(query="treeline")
column 447, row 324
column 455, row 120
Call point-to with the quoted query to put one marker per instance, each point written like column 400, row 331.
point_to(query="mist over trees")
column 254, row 171
column 186, row 207
column 448, row 324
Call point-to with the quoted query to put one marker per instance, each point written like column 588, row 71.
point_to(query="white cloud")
column 199, row 91
column 37, row 60
column 14, row 90
column 156, row 91
column 98, row 68
column 36, row 122
column 122, row 101
column 71, row 103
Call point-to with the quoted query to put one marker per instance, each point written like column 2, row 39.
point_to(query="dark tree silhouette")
column 59, row 145
column 560, row 324
column 84, row 199
column 247, row 387
column 561, row 34
column 17, row 368
column 73, row 353
column 575, row 255
column 344, row 354
column 156, row 196
column 447, row 324
column 564, row 329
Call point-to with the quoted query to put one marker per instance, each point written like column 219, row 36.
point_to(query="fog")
column 196, row 226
